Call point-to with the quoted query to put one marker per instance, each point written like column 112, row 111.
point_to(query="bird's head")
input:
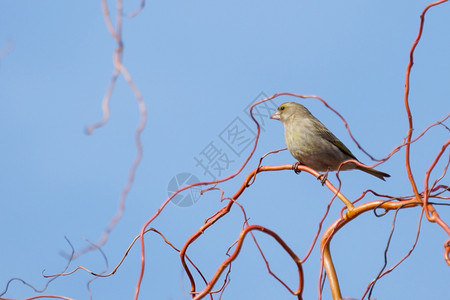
column 287, row 109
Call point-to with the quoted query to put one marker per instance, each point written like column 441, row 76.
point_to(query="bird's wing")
column 327, row 135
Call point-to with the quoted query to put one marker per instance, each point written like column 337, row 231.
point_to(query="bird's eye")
column 281, row 107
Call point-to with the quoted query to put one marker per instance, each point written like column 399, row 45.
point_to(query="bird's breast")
column 309, row 148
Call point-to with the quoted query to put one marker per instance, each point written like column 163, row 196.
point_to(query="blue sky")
column 198, row 65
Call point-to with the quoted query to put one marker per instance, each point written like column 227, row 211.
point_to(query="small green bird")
column 312, row 144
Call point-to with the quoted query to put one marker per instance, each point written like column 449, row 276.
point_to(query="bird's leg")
column 323, row 177
column 295, row 167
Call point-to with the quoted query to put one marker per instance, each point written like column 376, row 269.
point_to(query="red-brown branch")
column 234, row 255
column 338, row 224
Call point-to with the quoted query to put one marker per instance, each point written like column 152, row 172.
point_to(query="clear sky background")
column 198, row 65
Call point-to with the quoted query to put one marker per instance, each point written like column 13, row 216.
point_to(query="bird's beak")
column 276, row 115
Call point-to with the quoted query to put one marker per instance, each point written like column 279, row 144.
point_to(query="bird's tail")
column 374, row 172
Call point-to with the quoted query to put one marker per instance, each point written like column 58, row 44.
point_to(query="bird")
column 313, row 145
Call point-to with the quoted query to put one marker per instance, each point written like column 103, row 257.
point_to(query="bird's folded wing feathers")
column 327, row 135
